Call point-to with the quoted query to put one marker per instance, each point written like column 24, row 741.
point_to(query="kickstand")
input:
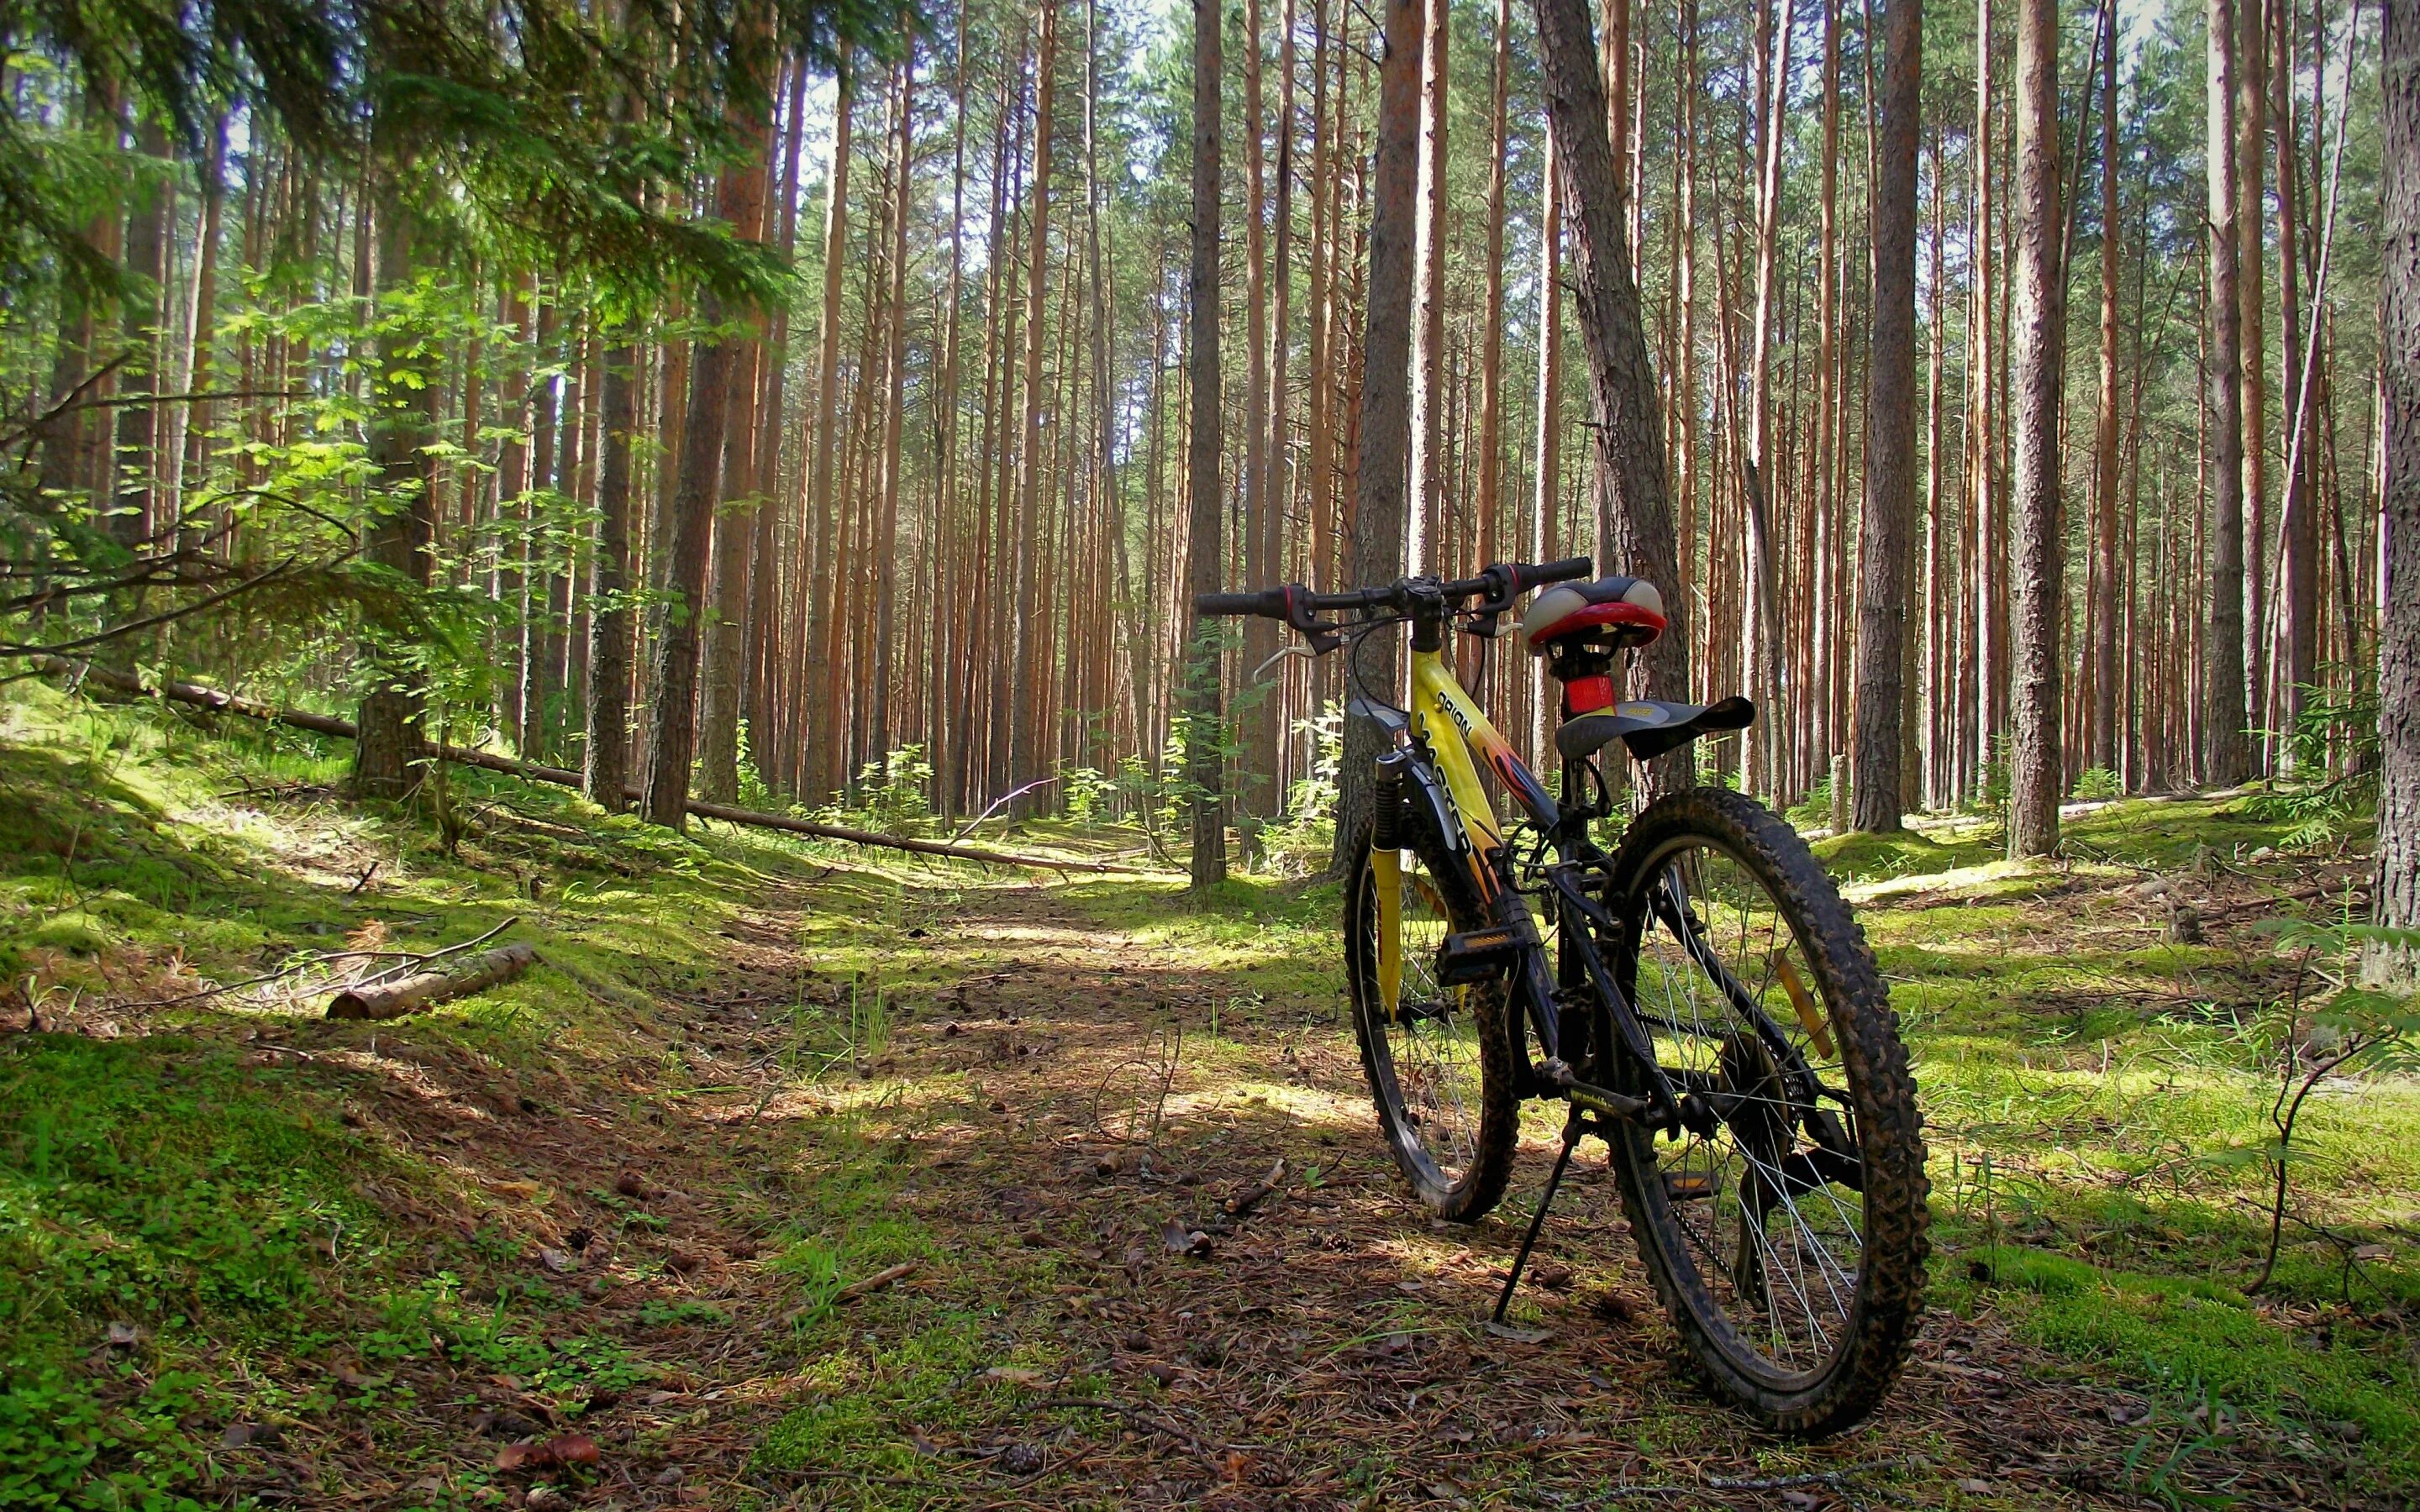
column 1538, row 1219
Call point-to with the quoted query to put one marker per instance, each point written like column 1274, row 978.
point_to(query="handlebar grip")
column 1537, row 574
column 1270, row 602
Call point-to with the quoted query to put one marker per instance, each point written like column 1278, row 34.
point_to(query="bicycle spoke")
column 1777, row 1247
column 1431, row 1046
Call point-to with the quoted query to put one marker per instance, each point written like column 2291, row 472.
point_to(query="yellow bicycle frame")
column 1444, row 715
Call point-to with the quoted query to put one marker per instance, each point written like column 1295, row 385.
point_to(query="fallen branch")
column 426, row 988
column 876, row 1282
column 1242, row 1203
column 1010, row 796
column 418, row 963
column 224, row 702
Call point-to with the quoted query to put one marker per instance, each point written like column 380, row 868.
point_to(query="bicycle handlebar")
column 1502, row 583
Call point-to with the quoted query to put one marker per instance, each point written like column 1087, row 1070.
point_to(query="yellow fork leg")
column 1389, row 865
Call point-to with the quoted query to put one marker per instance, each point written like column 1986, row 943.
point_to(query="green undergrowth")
column 2097, row 1097
column 202, row 1233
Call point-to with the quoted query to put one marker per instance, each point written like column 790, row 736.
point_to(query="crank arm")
column 1605, row 1103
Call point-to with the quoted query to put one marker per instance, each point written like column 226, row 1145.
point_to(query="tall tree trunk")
column 1491, row 353
column 886, row 544
column 2224, row 712
column 951, row 721
column 1763, row 769
column 2298, row 534
column 1375, row 537
column 1983, row 669
column 1202, row 744
column 2398, row 649
column 201, row 334
column 1256, row 765
column 1428, row 329
column 1629, row 432
column 822, row 768
column 1545, row 547
column 2252, row 231
column 1613, row 62
column 609, row 583
column 389, row 750
column 1281, row 474
column 136, row 475
column 2036, row 765
column 1828, row 423
column 672, row 739
column 1024, row 758
column 720, row 699
column 1888, row 528
column 2106, row 567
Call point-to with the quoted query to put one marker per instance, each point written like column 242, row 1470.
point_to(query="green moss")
column 2199, row 1340
column 165, row 1186
column 1856, row 856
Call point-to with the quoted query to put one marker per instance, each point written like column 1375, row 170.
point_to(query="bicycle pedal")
column 1475, row 955
column 1695, row 1186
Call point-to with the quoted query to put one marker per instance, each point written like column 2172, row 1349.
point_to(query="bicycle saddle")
column 1650, row 727
column 1631, row 605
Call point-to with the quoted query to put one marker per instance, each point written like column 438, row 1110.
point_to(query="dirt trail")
column 1117, row 1337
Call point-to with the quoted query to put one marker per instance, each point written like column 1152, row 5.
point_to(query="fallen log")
column 221, row 702
column 426, row 989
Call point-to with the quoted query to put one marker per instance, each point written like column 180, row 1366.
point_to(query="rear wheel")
column 1784, row 1223
column 1440, row 1065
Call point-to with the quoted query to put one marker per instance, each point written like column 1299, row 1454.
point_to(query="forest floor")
column 797, row 1177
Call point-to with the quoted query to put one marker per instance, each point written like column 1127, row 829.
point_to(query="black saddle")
column 1650, row 727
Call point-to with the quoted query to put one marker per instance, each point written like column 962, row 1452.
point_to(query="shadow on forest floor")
column 796, row 1178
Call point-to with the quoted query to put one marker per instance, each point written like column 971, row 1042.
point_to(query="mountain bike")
column 1700, row 998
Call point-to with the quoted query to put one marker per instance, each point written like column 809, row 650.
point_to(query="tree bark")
column 2297, row 533
column 2252, row 230
column 1549, row 498
column 1764, row 769
column 2104, row 467
column 1629, row 432
column 1024, row 747
column 1490, row 356
column 132, row 472
column 1374, row 544
column 2224, row 712
column 389, row 756
column 609, row 623
column 2036, row 765
column 1257, row 716
column 886, row 545
column 672, row 740
column 821, row 768
column 426, row 989
column 2398, row 890
column 1888, row 528
column 1203, row 755
column 1424, row 551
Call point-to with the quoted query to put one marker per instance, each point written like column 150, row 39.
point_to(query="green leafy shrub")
column 2097, row 784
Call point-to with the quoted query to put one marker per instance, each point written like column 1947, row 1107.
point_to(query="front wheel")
column 1438, row 1059
column 1784, row 1221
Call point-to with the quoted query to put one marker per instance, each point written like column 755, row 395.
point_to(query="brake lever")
column 1306, row 653
column 1497, row 602
column 1324, row 637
